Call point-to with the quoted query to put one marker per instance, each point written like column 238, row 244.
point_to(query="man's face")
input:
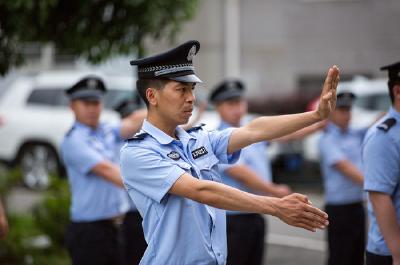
column 341, row 117
column 87, row 111
column 174, row 102
column 232, row 110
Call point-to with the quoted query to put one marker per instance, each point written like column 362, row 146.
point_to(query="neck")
column 92, row 126
column 396, row 106
column 166, row 126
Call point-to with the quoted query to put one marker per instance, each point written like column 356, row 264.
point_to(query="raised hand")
column 327, row 102
column 296, row 210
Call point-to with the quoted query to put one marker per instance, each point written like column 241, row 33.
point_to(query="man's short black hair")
column 143, row 84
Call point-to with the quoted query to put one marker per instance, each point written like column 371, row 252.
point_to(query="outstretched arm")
column 250, row 179
column 267, row 128
column 3, row 222
column 294, row 209
column 132, row 123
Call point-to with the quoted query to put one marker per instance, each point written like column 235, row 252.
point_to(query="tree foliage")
column 93, row 29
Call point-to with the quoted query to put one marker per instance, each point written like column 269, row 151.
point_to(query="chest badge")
column 199, row 152
column 174, row 155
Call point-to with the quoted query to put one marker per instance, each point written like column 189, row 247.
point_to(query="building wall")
column 284, row 41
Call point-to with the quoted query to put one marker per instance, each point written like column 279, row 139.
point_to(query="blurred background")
column 280, row 49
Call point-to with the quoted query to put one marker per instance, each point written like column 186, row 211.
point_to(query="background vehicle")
column 34, row 117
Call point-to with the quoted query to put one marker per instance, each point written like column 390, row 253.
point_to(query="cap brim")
column 227, row 96
column 87, row 95
column 186, row 79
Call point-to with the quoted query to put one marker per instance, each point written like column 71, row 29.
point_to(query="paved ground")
column 287, row 245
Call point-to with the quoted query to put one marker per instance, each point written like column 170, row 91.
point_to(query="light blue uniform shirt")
column 178, row 231
column 254, row 156
column 334, row 146
column 93, row 197
column 381, row 157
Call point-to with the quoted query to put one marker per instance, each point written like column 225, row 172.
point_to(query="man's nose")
column 190, row 96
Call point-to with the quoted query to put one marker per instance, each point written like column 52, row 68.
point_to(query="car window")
column 375, row 102
column 57, row 97
column 115, row 96
column 49, row 97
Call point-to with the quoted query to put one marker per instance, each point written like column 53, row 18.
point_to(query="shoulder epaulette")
column 138, row 137
column 387, row 124
column 196, row 128
column 68, row 133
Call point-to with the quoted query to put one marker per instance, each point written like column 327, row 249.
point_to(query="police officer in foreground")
column 341, row 167
column 171, row 174
column 381, row 158
column 99, row 201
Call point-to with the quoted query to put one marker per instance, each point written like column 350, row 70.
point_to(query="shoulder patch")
column 387, row 124
column 196, row 128
column 138, row 137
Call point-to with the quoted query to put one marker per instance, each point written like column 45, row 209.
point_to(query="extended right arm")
column 352, row 172
column 294, row 209
column 109, row 171
column 250, row 179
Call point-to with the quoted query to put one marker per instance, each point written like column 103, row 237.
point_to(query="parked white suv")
column 372, row 99
column 34, row 117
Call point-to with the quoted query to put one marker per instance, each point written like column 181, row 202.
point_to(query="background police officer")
column 98, row 199
column 381, row 155
column 172, row 175
column 341, row 166
column 246, row 231
column 252, row 173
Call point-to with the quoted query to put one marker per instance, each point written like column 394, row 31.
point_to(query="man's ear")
column 151, row 96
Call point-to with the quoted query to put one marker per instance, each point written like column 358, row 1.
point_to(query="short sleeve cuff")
column 379, row 187
column 170, row 180
column 89, row 165
column 228, row 158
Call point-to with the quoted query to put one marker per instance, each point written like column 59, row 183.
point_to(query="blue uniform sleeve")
column 146, row 171
column 330, row 151
column 381, row 164
column 116, row 129
column 219, row 143
column 80, row 155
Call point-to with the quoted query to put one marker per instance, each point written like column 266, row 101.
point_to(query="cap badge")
column 192, row 53
column 92, row 83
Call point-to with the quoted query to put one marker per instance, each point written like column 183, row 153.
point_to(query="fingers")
column 331, row 80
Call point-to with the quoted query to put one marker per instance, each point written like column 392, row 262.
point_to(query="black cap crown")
column 175, row 64
column 227, row 89
column 345, row 99
column 89, row 88
column 393, row 71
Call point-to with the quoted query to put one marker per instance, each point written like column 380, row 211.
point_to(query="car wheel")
column 37, row 163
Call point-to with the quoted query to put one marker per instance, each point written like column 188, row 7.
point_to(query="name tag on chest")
column 199, row 152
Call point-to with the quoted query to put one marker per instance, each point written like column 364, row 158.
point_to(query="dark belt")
column 115, row 221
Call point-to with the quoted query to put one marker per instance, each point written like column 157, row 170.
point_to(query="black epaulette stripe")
column 387, row 124
column 70, row 131
column 138, row 137
column 196, row 128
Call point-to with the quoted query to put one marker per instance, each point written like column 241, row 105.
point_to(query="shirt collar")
column 336, row 129
column 86, row 128
column 161, row 136
column 224, row 125
column 393, row 112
